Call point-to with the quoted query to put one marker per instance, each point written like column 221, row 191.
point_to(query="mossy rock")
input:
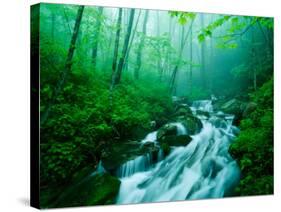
column 100, row 189
column 165, row 148
column 176, row 140
column 191, row 123
column 182, row 110
column 203, row 113
column 167, row 129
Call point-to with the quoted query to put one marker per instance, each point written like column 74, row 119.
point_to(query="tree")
column 116, row 46
column 175, row 70
column 96, row 36
column 68, row 65
column 191, row 60
column 131, row 43
column 117, row 75
column 203, row 49
column 141, row 45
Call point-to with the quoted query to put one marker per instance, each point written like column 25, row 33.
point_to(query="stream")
column 201, row 169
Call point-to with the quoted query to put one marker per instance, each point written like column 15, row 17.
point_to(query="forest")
column 147, row 106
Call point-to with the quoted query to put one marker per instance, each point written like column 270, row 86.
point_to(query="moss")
column 100, row 189
column 166, row 148
column 176, row 140
column 253, row 148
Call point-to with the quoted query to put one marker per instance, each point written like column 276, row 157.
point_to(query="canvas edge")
column 34, row 109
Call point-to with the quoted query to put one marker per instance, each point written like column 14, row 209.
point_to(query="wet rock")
column 167, row 129
column 120, row 152
column 165, row 148
column 182, row 110
column 191, row 123
column 235, row 107
column 176, row 140
column 202, row 113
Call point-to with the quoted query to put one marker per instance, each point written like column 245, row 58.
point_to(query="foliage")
column 183, row 17
column 254, row 146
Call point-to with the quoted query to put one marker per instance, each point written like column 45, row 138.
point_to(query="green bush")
column 253, row 148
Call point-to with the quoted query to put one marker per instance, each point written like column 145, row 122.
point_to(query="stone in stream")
column 167, row 129
column 123, row 151
column 192, row 124
column 176, row 140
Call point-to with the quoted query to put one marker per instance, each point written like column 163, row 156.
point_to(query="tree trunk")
column 203, row 72
column 68, row 65
column 253, row 51
column 140, row 47
column 96, row 37
column 175, row 70
column 191, row 61
column 126, row 62
column 117, row 75
column 116, row 44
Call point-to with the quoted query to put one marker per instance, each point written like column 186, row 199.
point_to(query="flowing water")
column 202, row 169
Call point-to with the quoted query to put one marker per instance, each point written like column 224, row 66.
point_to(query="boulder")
column 167, row 129
column 191, row 123
column 119, row 152
column 176, row 140
column 249, row 108
column 203, row 113
column 182, row 110
column 234, row 107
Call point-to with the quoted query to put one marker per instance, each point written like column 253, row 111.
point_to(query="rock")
column 165, row 148
column 249, row 108
column 218, row 122
column 176, row 140
column 167, row 129
column 203, row 113
column 191, row 123
column 149, row 144
column 234, row 107
column 100, row 189
column 120, row 152
column 182, row 110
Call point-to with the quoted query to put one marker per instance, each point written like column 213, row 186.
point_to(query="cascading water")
column 202, row 169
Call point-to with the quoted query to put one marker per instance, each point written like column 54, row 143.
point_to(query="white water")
column 151, row 137
column 202, row 169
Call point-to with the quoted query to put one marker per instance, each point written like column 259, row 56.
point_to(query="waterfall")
column 100, row 169
column 139, row 164
column 204, row 105
column 151, row 137
column 202, row 169
column 180, row 128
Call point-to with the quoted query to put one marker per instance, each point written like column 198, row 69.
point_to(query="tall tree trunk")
column 203, row 47
column 68, row 65
column 96, row 37
column 115, row 56
column 191, row 60
column 116, row 44
column 117, row 75
column 159, row 50
column 126, row 62
column 140, row 47
column 253, row 61
column 175, row 70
